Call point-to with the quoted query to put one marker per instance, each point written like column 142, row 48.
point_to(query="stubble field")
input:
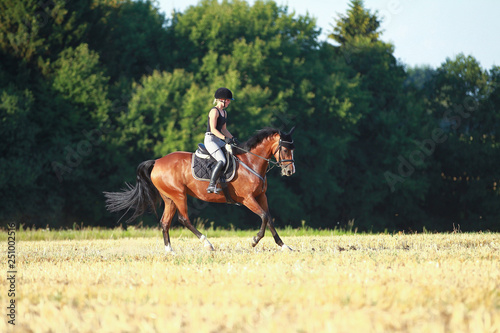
column 336, row 283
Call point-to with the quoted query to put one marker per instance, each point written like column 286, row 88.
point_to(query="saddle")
column 203, row 163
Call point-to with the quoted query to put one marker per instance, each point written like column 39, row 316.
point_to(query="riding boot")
column 212, row 186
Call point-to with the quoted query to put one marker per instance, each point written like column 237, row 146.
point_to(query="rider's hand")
column 228, row 140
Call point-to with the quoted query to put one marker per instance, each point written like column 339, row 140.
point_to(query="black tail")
column 139, row 198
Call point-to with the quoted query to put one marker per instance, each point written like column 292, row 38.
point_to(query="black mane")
column 256, row 139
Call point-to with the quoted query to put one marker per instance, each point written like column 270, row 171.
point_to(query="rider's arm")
column 226, row 132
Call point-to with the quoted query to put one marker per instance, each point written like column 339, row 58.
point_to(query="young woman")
column 217, row 134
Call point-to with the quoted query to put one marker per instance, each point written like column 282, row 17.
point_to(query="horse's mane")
column 256, row 139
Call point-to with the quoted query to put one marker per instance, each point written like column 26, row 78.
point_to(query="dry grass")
column 355, row 283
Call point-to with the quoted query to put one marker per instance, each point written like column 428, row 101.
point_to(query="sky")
column 424, row 32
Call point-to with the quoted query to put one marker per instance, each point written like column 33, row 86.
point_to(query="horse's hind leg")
column 166, row 221
column 181, row 204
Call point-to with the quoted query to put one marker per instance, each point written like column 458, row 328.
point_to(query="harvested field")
column 338, row 283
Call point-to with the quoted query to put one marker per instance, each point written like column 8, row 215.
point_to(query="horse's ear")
column 291, row 131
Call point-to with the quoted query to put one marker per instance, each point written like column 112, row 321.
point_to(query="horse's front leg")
column 256, row 239
column 277, row 238
column 260, row 207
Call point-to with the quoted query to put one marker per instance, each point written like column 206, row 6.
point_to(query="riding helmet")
column 224, row 93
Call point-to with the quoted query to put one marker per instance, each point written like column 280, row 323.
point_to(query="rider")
column 217, row 134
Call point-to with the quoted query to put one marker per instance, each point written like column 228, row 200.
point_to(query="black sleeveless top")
column 221, row 120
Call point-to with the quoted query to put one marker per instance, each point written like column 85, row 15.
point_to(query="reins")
column 261, row 157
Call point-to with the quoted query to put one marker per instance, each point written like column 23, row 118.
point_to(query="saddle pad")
column 202, row 168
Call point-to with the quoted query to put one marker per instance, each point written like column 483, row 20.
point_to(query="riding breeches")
column 214, row 146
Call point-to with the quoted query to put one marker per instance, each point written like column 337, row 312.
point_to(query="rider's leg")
column 213, row 145
column 212, row 186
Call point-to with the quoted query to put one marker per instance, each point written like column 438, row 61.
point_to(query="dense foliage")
column 91, row 88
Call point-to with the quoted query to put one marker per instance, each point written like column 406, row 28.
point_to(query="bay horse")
column 170, row 178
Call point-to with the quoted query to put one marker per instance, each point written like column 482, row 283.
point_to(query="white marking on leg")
column 168, row 249
column 206, row 243
column 286, row 248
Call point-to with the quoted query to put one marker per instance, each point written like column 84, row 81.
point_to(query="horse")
column 170, row 179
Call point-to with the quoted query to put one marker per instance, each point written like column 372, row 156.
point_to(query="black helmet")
column 224, row 93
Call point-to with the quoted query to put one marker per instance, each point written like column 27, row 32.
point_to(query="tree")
column 376, row 194
column 36, row 31
column 358, row 23
column 465, row 173
column 131, row 38
column 19, row 164
column 52, row 135
column 264, row 42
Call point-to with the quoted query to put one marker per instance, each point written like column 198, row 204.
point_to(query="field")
column 330, row 283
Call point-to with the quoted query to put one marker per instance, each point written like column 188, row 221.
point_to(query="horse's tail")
column 137, row 198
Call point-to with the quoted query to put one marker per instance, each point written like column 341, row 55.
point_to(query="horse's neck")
column 264, row 150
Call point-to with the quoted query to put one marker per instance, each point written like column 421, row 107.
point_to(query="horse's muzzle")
column 288, row 170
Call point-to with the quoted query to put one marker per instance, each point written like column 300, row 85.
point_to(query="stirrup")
column 213, row 189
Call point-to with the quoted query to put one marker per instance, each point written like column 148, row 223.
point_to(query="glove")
column 235, row 141
column 228, row 140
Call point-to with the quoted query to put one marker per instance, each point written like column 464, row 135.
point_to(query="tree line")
column 91, row 88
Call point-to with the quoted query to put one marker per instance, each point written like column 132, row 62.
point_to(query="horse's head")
column 284, row 153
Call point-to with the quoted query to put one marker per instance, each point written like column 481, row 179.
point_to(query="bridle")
column 272, row 164
column 281, row 161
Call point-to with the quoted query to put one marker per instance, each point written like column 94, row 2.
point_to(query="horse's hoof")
column 206, row 243
column 286, row 248
column 169, row 250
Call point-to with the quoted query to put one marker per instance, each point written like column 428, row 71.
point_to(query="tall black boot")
column 213, row 178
